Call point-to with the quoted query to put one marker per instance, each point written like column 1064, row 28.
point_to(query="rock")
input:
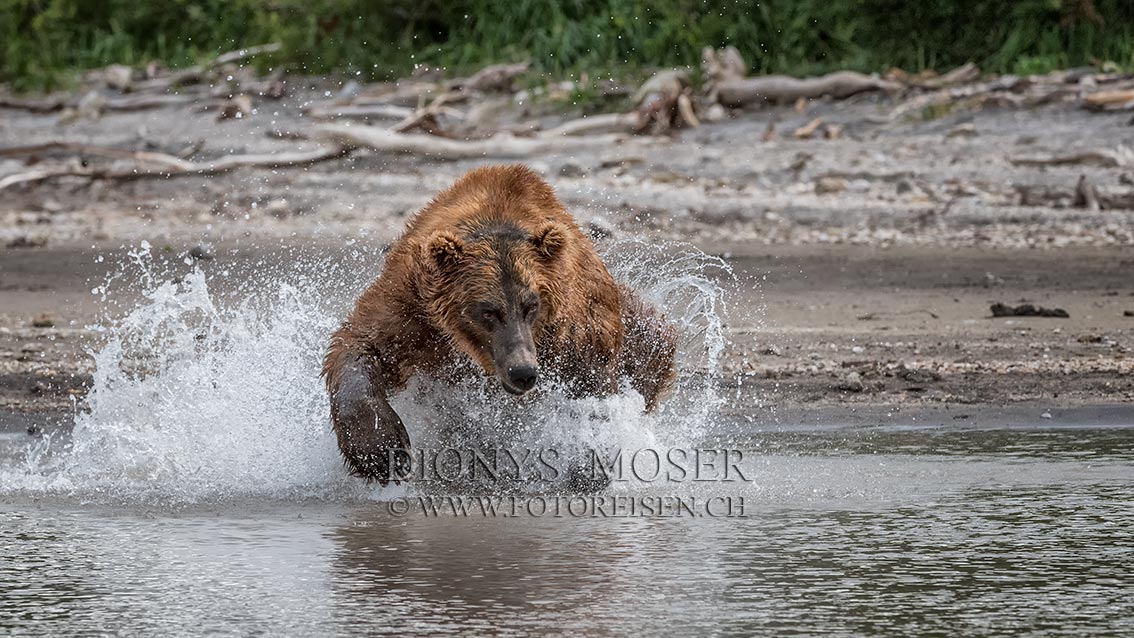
column 916, row 375
column 774, row 350
column 667, row 82
column 571, row 169
column 118, row 76
column 1027, row 310
column 715, row 113
column 830, row 185
column 202, row 252
column 28, row 351
column 851, row 383
column 236, row 108
column 25, row 241
column 904, row 186
column 1128, row 313
column 44, row 320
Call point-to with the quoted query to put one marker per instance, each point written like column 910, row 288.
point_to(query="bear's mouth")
column 512, row 390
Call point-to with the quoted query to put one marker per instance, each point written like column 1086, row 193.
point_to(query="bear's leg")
column 370, row 434
column 649, row 348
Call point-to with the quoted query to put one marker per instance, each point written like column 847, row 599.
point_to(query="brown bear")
column 493, row 273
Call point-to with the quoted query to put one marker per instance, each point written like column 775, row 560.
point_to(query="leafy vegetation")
column 43, row 42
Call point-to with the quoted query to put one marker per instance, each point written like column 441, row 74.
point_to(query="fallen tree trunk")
column 33, row 106
column 495, row 77
column 1104, row 158
column 1082, row 196
column 119, row 104
column 501, row 145
column 952, row 95
column 931, row 80
column 362, row 113
column 960, row 75
column 171, row 161
column 247, row 52
column 782, row 88
column 606, row 123
column 143, row 102
column 143, row 166
column 1116, row 100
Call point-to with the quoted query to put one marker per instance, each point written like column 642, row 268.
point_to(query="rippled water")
column 856, row 532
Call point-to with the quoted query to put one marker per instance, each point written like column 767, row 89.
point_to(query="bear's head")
column 492, row 289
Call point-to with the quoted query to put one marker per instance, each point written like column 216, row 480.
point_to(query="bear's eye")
column 492, row 315
column 530, row 309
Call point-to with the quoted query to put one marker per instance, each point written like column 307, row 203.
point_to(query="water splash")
column 208, row 389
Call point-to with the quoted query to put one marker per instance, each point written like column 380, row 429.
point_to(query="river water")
column 842, row 531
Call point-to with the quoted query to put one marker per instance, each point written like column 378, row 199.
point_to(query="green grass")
column 44, row 42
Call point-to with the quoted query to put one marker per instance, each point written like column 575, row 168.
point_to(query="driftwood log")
column 1112, row 100
column 1084, row 195
column 501, row 145
column 782, row 88
column 606, row 123
column 1105, row 158
column 144, row 165
column 341, row 140
column 728, row 86
column 496, row 77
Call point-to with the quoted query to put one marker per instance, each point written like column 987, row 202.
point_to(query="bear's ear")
column 445, row 250
column 550, row 240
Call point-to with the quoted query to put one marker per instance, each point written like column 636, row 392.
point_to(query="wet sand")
column 837, row 333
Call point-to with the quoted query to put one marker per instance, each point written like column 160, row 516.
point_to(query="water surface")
column 845, row 531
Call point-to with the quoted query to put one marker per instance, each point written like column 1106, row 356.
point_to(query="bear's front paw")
column 375, row 464
column 373, row 441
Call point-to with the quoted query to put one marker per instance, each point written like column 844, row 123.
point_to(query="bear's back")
column 509, row 194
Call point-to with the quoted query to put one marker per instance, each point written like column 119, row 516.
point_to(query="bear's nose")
column 523, row 377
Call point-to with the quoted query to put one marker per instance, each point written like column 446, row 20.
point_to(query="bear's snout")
column 521, row 378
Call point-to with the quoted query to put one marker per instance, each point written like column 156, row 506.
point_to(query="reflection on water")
column 848, row 532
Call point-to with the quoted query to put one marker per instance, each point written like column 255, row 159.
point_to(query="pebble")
column 571, row 169
column 830, row 185
column 851, row 383
column 202, row 252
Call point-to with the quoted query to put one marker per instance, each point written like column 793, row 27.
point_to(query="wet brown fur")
column 498, row 231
